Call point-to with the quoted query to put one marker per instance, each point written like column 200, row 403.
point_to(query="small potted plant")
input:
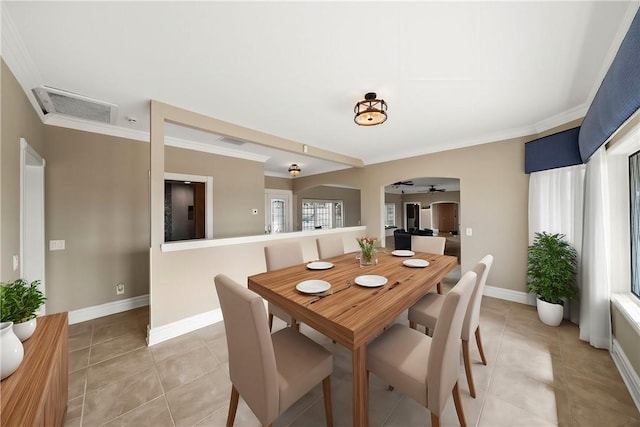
column 552, row 266
column 19, row 302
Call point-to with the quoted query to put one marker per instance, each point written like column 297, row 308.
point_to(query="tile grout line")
column 164, row 393
column 86, row 378
column 493, row 367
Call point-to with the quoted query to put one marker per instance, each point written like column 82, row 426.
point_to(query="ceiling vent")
column 56, row 101
column 230, row 140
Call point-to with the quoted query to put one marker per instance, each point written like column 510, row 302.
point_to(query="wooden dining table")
column 351, row 314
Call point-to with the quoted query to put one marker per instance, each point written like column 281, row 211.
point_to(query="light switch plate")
column 469, row 232
column 56, row 245
column 16, row 262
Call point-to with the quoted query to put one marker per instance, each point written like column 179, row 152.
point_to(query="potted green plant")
column 19, row 302
column 552, row 266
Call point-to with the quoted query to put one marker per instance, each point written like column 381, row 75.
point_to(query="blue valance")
column 618, row 96
column 553, row 151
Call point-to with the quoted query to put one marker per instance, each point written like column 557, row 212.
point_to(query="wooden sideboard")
column 36, row 393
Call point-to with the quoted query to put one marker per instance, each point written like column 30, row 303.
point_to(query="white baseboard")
column 89, row 313
column 172, row 330
column 509, row 295
column 627, row 372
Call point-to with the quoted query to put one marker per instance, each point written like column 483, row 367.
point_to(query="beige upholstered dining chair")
column 427, row 312
column 432, row 245
column 426, row 368
column 329, row 247
column 279, row 256
column 270, row 372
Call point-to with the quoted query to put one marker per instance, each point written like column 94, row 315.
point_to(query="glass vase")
column 368, row 258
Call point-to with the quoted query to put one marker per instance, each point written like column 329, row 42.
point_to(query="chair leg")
column 412, row 325
column 479, row 342
column 435, row 420
column 233, row 406
column 458, row 403
column 467, row 367
column 270, row 321
column 439, row 288
column 326, row 390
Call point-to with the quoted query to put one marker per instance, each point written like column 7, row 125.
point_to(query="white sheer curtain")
column 595, row 319
column 556, row 199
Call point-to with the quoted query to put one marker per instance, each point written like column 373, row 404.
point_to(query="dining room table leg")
column 360, row 397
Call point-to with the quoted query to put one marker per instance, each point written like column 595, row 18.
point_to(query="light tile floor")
column 536, row 376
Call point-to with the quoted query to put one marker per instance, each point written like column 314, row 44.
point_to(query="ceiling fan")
column 432, row 189
column 403, row 183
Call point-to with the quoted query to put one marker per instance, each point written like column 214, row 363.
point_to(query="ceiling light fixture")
column 370, row 111
column 294, row 170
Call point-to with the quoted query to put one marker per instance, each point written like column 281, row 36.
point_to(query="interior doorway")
column 32, row 237
column 278, row 211
column 412, row 216
column 445, row 217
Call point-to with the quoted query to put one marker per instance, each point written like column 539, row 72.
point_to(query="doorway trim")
column 32, row 222
column 285, row 194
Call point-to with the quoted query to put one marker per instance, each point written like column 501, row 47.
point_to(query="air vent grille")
column 230, row 140
column 61, row 102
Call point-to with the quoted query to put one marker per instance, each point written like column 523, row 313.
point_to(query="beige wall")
column 19, row 120
column 498, row 218
column 275, row 183
column 97, row 200
column 183, row 286
column 350, row 198
column 426, row 199
column 238, row 187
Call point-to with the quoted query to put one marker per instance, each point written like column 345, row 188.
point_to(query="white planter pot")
column 24, row 330
column 11, row 350
column 549, row 314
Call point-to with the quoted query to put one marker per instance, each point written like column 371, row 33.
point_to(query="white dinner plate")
column 402, row 252
column 313, row 286
column 415, row 262
column 319, row 265
column 371, row 280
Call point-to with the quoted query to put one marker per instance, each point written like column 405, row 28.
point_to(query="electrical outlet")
column 120, row 289
column 469, row 232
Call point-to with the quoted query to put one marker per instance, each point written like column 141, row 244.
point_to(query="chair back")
column 252, row 361
column 401, row 240
column 430, row 244
column 329, row 247
column 472, row 318
column 444, row 357
column 283, row 255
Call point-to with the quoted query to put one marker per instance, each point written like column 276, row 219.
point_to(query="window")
column 322, row 214
column 390, row 215
column 634, row 203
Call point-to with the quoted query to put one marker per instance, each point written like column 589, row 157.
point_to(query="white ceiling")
column 453, row 73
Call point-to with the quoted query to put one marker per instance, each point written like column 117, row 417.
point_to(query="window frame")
column 332, row 218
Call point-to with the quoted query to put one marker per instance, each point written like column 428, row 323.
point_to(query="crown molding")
column 70, row 122
column 17, row 58
column 623, row 28
column 539, row 127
